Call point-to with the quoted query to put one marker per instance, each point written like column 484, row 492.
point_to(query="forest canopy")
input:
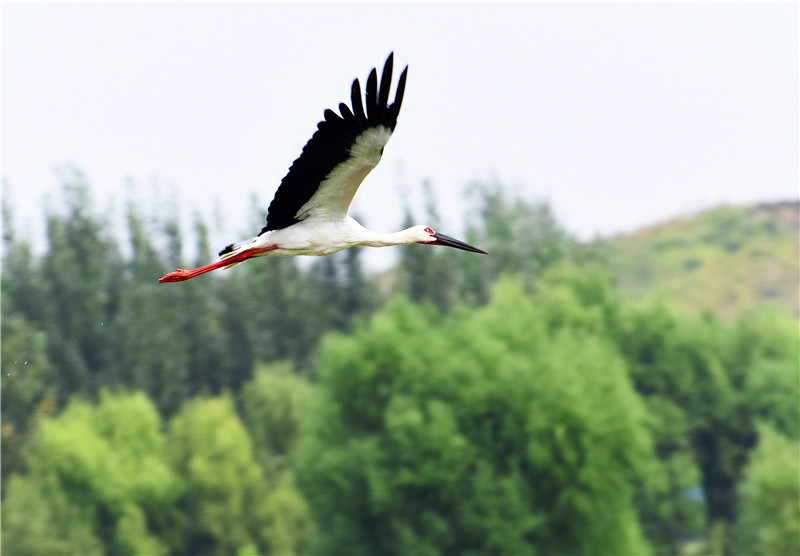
column 521, row 403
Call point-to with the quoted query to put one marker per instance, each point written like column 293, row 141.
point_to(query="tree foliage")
column 516, row 403
column 523, row 238
column 724, row 259
column 770, row 519
column 521, row 441
column 274, row 403
column 105, row 479
column 97, row 483
column 229, row 504
column 100, row 318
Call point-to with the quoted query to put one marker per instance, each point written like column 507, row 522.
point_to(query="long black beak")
column 448, row 241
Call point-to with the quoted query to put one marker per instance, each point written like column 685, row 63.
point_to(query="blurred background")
column 619, row 376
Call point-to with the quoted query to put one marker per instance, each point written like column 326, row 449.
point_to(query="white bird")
column 308, row 215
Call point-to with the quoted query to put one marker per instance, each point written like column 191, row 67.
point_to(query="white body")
column 320, row 236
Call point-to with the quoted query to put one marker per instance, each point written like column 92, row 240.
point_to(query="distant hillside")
column 725, row 259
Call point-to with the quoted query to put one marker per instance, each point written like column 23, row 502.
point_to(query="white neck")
column 376, row 239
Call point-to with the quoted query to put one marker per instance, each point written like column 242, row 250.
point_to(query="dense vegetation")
column 511, row 404
column 725, row 259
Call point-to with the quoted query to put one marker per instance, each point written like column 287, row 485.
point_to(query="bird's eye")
column 429, row 231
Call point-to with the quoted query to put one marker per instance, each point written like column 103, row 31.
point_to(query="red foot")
column 182, row 274
column 178, row 276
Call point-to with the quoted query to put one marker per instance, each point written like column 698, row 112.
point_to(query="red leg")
column 182, row 274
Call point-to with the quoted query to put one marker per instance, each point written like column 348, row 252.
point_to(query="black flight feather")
column 394, row 109
column 358, row 106
column 386, row 84
column 371, row 99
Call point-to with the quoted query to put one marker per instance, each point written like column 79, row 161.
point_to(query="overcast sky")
column 618, row 115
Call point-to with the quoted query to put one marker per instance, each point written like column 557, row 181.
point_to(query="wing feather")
column 386, row 84
column 342, row 151
column 372, row 95
column 358, row 105
column 394, row 109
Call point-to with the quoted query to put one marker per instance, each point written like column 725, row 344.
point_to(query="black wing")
column 340, row 153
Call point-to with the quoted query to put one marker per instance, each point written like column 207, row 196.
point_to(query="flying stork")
column 308, row 215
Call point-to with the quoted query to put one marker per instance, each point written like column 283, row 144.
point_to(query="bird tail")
column 233, row 249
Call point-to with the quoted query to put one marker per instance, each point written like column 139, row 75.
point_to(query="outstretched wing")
column 340, row 154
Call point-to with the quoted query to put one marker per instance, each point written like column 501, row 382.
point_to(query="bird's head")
column 426, row 235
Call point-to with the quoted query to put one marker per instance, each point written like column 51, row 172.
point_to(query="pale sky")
column 619, row 115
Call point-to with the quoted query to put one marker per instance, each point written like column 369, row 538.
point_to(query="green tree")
column 704, row 381
column 209, row 447
column 583, row 298
column 773, row 389
column 81, row 272
column 427, row 274
column 765, row 351
column 97, row 483
column 27, row 382
column 359, row 296
column 339, row 290
column 27, row 373
column 479, row 432
column 40, row 518
column 683, row 359
column 281, row 310
column 274, row 406
column 671, row 505
column 150, row 349
column 150, row 346
column 228, row 504
column 769, row 522
column 145, row 262
column 522, row 237
column 23, row 290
